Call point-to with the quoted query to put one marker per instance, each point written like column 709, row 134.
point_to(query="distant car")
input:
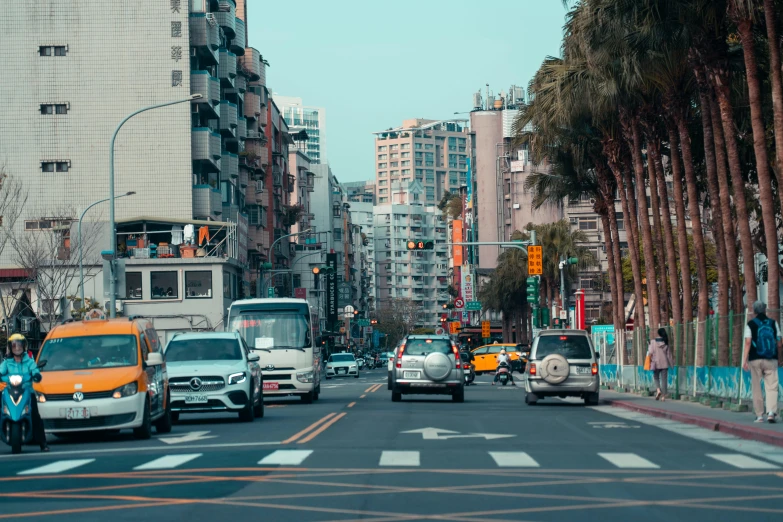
column 342, row 365
column 214, row 372
column 486, row 357
column 390, row 364
column 428, row 364
column 562, row 363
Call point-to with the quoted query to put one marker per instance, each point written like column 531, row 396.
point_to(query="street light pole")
column 81, row 248
column 112, row 224
column 272, row 250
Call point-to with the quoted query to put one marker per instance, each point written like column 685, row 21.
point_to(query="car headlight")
column 41, row 397
column 329, row 367
column 237, row 378
column 353, row 366
column 304, row 377
column 125, row 391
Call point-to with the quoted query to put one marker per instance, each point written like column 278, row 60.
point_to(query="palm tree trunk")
column 633, row 135
column 658, row 230
column 745, row 28
column 718, row 229
column 698, row 234
column 616, row 292
column 776, row 75
column 671, row 252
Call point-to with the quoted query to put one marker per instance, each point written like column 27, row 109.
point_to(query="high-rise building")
column 360, row 191
column 434, row 153
column 362, row 217
column 312, row 120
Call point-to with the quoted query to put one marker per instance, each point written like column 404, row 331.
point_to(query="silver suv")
column 428, row 364
column 562, row 363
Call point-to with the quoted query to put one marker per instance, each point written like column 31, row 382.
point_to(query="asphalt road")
column 355, row 455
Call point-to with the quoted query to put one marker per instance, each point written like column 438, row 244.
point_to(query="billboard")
column 457, row 237
column 331, row 292
column 467, row 284
column 469, row 196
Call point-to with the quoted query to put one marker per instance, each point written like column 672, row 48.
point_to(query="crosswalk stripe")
column 628, row 460
column 56, row 467
column 168, row 462
column 400, row 458
column 741, row 461
column 285, row 458
column 513, row 459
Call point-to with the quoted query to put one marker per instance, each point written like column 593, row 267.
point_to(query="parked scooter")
column 16, row 421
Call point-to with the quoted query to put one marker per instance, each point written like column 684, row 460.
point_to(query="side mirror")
column 253, row 357
column 154, row 359
column 42, row 364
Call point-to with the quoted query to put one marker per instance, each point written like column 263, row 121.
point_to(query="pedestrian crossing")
column 399, row 459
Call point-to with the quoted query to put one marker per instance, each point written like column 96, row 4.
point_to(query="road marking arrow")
column 192, row 436
column 440, row 434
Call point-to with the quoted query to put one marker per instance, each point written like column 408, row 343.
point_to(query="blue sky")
column 372, row 64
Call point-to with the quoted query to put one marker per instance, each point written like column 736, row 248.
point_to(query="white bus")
column 280, row 331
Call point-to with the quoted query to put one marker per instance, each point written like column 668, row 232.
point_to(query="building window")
column 395, row 164
column 382, row 173
column 198, row 285
column 338, row 234
column 52, row 50
column 382, row 156
column 383, row 200
column 620, row 221
column 54, row 108
column 394, row 155
column 381, row 165
column 132, row 285
column 588, row 224
column 405, row 146
column 406, row 163
column 383, row 182
column 164, row 285
column 56, row 166
column 382, row 148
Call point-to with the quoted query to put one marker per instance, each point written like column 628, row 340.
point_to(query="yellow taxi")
column 485, row 357
column 104, row 374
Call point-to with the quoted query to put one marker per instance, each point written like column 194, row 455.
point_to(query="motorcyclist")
column 20, row 363
column 503, row 358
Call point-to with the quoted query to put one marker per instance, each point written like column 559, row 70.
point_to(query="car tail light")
column 595, row 368
column 532, row 368
column 457, row 358
column 399, row 355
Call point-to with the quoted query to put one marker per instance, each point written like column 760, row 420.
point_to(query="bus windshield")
column 273, row 330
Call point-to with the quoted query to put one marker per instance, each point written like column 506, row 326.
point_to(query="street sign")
column 485, row 330
column 535, row 260
column 473, row 306
column 439, row 331
column 598, row 328
column 563, row 314
column 459, row 303
column 300, row 293
column 454, row 327
column 363, row 322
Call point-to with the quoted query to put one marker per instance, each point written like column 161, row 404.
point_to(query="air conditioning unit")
column 118, row 305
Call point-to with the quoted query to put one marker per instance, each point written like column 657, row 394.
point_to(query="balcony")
column 229, row 166
column 226, row 17
column 251, row 63
column 228, row 118
column 240, row 84
column 262, row 196
column 204, row 37
column 231, row 213
column 227, row 68
column 252, row 107
column 277, row 179
column 291, row 183
column 201, row 82
column 241, row 128
column 205, row 146
column 310, row 182
column 243, row 178
column 207, row 203
column 238, row 42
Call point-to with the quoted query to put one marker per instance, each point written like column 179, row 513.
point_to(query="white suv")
column 214, row 372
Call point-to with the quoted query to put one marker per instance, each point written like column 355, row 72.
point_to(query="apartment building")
column 362, row 216
column 360, row 191
column 434, row 153
column 311, row 120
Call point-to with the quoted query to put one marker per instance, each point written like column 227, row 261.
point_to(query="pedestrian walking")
column 760, row 357
column 660, row 362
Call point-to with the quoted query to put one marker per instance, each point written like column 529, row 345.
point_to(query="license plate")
column 77, row 413
column 196, row 399
column 271, row 386
column 342, row 370
column 581, row 370
column 410, row 375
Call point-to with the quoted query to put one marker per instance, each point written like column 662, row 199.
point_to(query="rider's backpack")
column 766, row 340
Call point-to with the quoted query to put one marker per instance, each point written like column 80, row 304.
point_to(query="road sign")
column 439, row 331
column 535, row 260
column 440, row 434
column 485, row 330
column 563, row 314
column 300, row 293
column 473, row 306
column 459, row 303
column 363, row 322
column 598, row 328
column 454, row 327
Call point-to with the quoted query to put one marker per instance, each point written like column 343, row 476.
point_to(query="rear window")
column 426, row 346
column 569, row 346
column 203, row 350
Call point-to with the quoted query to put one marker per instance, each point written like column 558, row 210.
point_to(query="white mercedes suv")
column 214, row 372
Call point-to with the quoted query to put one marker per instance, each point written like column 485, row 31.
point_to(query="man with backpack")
column 760, row 357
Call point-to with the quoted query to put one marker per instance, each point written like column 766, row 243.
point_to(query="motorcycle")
column 503, row 373
column 16, row 421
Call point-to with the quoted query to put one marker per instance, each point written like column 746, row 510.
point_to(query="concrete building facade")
column 312, row 120
column 360, row 191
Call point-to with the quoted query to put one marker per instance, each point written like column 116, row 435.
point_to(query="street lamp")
column 81, row 248
column 112, row 224
column 272, row 249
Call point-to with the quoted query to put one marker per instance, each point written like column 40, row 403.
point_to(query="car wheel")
column 163, row 425
column 459, row 396
column 327, row 377
column 356, row 376
column 307, row 398
column 246, row 413
column 591, row 399
column 174, row 416
column 388, row 381
column 144, row 431
column 258, row 409
column 396, row 396
column 531, row 399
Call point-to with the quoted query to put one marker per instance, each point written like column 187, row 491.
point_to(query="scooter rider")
column 20, row 363
column 504, row 358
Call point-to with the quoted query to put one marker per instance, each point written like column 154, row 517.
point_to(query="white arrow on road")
column 191, row 436
column 440, row 434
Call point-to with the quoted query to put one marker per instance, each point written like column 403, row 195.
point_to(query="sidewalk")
column 716, row 419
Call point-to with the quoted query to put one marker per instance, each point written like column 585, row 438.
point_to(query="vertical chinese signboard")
column 535, row 260
column 457, row 237
column 331, row 292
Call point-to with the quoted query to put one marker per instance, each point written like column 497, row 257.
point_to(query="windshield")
column 96, row 351
column 341, row 357
column 569, row 346
column 273, row 330
column 204, row 350
column 425, row 346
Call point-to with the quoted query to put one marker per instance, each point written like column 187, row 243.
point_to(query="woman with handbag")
column 660, row 356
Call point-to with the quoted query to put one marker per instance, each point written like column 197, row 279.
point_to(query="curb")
column 731, row 428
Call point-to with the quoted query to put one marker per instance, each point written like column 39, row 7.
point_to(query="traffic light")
column 355, row 313
column 421, row 245
column 532, row 290
column 373, row 321
column 323, row 270
column 572, row 260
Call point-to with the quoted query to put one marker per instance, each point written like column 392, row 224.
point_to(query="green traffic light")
column 573, row 260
